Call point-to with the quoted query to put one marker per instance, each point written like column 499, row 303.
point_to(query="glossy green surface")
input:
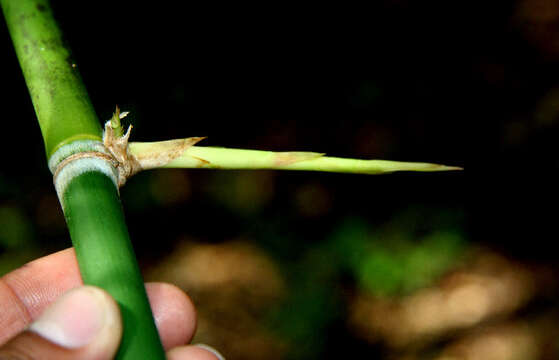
column 61, row 102
column 106, row 259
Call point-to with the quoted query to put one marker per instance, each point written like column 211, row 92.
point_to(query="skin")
column 26, row 292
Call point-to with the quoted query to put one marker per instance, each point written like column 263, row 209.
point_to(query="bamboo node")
column 70, row 163
column 114, row 152
column 81, row 155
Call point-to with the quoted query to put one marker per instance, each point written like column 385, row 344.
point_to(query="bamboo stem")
column 104, row 251
column 235, row 159
column 86, row 186
column 61, row 102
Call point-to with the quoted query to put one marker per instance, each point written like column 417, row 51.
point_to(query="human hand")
column 47, row 313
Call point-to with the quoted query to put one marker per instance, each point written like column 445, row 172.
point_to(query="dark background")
column 472, row 84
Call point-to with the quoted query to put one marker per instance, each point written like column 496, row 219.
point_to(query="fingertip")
column 82, row 316
column 211, row 349
column 174, row 314
column 194, row 352
column 84, row 323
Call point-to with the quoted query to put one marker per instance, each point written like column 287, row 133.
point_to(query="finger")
column 27, row 291
column 194, row 352
column 84, row 324
column 174, row 313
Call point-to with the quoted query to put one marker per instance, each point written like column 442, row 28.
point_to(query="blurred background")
column 286, row 265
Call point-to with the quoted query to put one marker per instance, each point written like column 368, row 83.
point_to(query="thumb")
column 84, row 323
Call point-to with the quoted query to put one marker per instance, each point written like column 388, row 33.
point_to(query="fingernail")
column 212, row 350
column 74, row 319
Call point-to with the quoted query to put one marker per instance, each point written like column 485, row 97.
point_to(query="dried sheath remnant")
column 118, row 147
column 165, row 152
column 128, row 164
column 291, row 157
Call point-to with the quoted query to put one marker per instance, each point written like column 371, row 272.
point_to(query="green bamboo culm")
column 90, row 197
column 106, row 259
column 60, row 99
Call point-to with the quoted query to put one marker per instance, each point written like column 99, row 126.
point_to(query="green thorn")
column 115, row 123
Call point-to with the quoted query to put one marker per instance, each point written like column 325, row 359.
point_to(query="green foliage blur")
column 407, row 253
